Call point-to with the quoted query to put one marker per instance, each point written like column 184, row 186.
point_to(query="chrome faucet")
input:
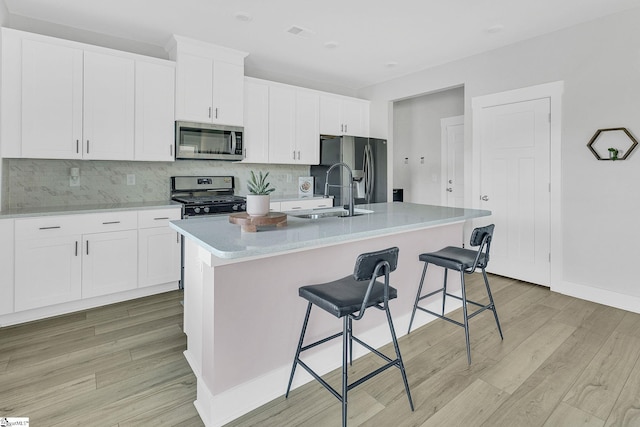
column 326, row 185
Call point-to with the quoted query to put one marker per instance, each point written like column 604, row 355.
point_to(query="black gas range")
column 206, row 195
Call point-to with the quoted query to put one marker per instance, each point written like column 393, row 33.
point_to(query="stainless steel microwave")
column 208, row 142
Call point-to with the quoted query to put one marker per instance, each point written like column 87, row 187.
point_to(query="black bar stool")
column 465, row 261
column 344, row 298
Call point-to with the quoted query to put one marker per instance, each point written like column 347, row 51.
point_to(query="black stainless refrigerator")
column 367, row 158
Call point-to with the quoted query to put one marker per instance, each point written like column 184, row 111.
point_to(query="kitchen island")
column 242, row 311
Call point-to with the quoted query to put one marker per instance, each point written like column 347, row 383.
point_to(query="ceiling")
column 346, row 43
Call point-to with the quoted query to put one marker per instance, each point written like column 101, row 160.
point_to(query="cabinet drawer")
column 48, row 226
column 110, row 221
column 158, row 217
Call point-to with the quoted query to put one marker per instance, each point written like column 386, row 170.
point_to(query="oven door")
column 208, row 142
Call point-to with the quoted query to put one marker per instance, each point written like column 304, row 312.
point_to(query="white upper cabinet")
column 51, row 101
column 154, row 117
column 307, row 127
column 209, row 83
column 282, row 116
column 340, row 115
column 109, row 98
column 256, row 121
column 68, row 100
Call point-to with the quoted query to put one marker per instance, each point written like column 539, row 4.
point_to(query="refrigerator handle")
column 372, row 174
column 365, row 170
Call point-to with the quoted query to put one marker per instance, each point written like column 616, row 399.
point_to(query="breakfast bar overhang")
column 242, row 313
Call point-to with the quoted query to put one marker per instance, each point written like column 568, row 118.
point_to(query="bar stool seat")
column 466, row 261
column 348, row 298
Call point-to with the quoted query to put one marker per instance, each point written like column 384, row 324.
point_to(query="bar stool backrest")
column 366, row 263
column 481, row 236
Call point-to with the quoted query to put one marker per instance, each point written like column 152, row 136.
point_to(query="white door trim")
column 444, row 123
column 553, row 91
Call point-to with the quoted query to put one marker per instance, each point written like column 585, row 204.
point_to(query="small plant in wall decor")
column 613, row 153
column 258, row 197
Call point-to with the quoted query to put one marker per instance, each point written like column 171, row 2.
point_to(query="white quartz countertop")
column 225, row 240
column 85, row 209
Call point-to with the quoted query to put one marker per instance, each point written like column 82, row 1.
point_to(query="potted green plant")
column 258, row 197
column 613, row 153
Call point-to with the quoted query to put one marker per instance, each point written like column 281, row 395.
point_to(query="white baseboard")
column 226, row 406
column 598, row 295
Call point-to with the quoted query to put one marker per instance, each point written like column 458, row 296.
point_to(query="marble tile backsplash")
column 34, row 183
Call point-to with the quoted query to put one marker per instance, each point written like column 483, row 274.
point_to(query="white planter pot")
column 257, row 204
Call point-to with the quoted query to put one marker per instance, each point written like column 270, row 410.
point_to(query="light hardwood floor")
column 563, row 362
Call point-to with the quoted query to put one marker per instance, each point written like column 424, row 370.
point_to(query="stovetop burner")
column 206, row 195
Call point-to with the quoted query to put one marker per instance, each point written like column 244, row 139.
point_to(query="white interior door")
column 452, row 131
column 514, row 185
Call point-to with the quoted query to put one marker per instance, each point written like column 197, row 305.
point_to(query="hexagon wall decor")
column 612, row 141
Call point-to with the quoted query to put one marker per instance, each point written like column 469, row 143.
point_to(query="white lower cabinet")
column 158, row 247
column 109, row 263
column 6, row 266
column 66, row 258
column 48, row 270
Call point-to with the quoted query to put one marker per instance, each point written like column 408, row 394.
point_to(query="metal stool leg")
column 415, row 304
column 444, row 289
column 465, row 316
column 350, row 331
column 401, row 364
column 345, row 341
column 493, row 306
column 295, row 360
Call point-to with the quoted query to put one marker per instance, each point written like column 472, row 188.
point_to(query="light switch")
column 131, row 179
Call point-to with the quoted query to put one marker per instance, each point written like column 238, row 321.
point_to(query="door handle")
column 484, row 198
column 450, row 190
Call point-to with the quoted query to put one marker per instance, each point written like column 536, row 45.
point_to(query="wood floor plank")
column 517, row 366
column 566, row 415
column 472, row 406
column 600, row 384
column 538, row 396
column 626, row 411
column 170, row 415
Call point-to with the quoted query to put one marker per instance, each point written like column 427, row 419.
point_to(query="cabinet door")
column 108, row 107
column 282, row 116
column 307, row 127
column 159, row 256
column 109, row 263
column 256, row 122
column 228, row 89
column 154, row 118
column 51, row 101
column 194, row 88
column 47, row 271
column 6, row 266
column 330, row 122
column 355, row 117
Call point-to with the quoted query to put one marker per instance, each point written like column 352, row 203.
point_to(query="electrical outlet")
column 131, row 179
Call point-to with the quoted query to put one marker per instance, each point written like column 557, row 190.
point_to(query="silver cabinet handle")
column 77, row 146
column 111, row 222
column 87, row 247
column 160, row 218
column 484, row 198
column 298, row 155
column 171, row 149
column 177, row 237
column 345, row 128
column 341, row 127
column 216, row 112
column 76, row 248
column 50, row 228
column 209, row 112
column 87, row 146
column 294, row 154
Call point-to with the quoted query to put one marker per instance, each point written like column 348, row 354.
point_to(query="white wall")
column 599, row 63
column 416, row 133
column 4, row 18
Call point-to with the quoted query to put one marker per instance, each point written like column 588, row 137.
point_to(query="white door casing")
column 452, row 161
